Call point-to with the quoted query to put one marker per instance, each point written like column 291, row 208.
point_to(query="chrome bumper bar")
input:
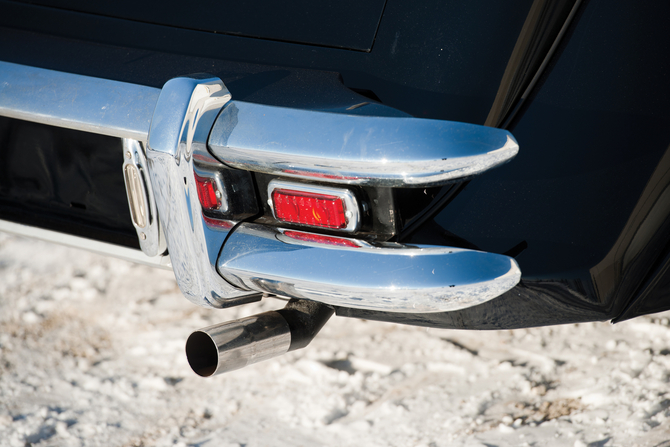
column 95, row 105
column 190, row 117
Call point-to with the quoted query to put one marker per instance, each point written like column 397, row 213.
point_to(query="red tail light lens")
column 300, row 207
column 321, row 239
column 218, row 223
column 208, row 193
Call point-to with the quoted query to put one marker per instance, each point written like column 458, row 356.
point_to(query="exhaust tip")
column 236, row 344
column 202, row 354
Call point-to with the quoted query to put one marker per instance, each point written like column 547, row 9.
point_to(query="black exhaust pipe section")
column 305, row 319
column 236, row 344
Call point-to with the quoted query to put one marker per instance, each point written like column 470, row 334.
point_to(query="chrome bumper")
column 217, row 264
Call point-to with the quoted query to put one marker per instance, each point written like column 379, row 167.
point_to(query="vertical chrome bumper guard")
column 185, row 112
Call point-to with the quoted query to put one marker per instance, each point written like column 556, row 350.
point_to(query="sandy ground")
column 91, row 353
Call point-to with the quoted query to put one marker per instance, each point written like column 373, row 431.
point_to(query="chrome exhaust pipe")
column 236, row 344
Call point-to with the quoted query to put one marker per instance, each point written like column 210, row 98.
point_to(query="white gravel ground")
column 91, row 353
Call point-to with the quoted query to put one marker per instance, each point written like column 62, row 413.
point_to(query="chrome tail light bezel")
column 352, row 209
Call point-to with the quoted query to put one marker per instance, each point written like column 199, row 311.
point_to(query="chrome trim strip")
column 545, row 62
column 103, row 248
column 101, row 106
column 354, row 149
column 184, row 115
column 352, row 212
column 385, row 277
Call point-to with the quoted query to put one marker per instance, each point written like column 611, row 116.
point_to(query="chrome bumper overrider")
column 225, row 261
column 354, row 149
column 385, row 276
